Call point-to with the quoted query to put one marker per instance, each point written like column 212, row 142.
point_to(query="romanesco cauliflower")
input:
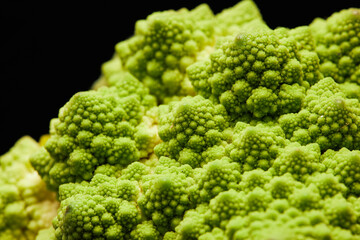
column 202, row 126
column 26, row 206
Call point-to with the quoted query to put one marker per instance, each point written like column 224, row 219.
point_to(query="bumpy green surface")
column 95, row 128
column 26, row 206
column 212, row 126
column 166, row 43
column 328, row 118
column 258, row 73
column 338, row 45
column 191, row 130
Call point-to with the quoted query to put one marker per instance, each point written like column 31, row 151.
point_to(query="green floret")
column 302, row 35
column 215, row 177
column 126, row 84
column 242, row 15
column 254, row 178
column 338, row 45
column 189, row 128
column 109, row 170
column 107, row 126
column 46, row 234
column 167, row 165
column 165, row 198
column 215, row 234
column 26, row 206
column 257, row 200
column 164, row 44
column 88, row 217
column 306, row 198
column 291, row 224
column 170, row 236
column 224, row 206
column 345, row 165
column 145, row 231
column 103, row 207
column 327, row 184
column 256, row 146
column 193, row 224
column 328, row 118
column 262, row 102
column 102, row 185
column 246, row 73
column 325, row 87
column 290, row 97
column 300, row 161
column 351, row 90
column 340, row 212
column 281, row 187
column 135, row 171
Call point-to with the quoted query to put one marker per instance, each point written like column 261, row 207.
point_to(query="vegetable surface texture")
column 202, row 126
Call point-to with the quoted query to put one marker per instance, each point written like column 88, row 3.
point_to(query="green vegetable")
column 26, row 206
column 166, row 43
column 327, row 117
column 190, row 128
column 258, row 73
column 204, row 126
column 95, row 128
column 337, row 45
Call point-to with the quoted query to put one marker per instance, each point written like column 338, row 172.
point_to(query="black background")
column 50, row 51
